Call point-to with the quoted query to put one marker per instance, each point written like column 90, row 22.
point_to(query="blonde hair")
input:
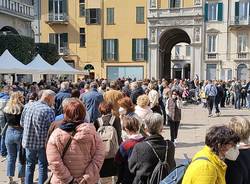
column 143, row 101
column 15, row 103
column 241, row 126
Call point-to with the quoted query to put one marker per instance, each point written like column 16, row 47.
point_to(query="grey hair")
column 47, row 93
column 64, row 85
column 134, row 85
column 154, row 123
column 66, row 101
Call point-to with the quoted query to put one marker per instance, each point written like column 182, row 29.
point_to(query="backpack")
column 109, row 137
column 176, row 176
column 161, row 170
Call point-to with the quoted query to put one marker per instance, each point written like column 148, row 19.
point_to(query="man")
column 4, row 97
column 211, row 92
column 218, row 97
column 237, row 90
column 35, row 121
column 248, row 94
column 92, row 100
column 136, row 91
column 113, row 96
column 60, row 96
column 125, row 89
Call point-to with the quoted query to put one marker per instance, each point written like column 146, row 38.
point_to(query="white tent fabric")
column 9, row 64
column 66, row 68
column 40, row 66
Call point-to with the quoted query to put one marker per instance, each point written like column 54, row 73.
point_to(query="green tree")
column 48, row 51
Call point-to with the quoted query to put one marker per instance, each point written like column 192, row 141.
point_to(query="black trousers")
column 210, row 104
column 174, row 127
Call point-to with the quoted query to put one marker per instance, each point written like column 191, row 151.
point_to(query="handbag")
column 48, row 181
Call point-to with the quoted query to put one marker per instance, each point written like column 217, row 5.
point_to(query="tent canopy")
column 9, row 64
column 40, row 66
column 65, row 68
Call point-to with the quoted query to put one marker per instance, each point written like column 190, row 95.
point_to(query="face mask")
column 122, row 111
column 232, row 154
column 174, row 96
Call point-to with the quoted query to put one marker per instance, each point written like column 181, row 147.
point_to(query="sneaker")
column 175, row 141
column 11, row 180
column 210, row 115
column 22, row 180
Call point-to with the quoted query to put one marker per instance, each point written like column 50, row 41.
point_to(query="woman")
column 143, row 160
column 239, row 171
column 83, row 159
column 154, row 96
column 131, row 125
column 142, row 109
column 14, row 133
column 208, row 166
column 127, row 108
column 173, row 111
column 108, row 168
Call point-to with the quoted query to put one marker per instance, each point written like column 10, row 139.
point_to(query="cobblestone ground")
column 194, row 125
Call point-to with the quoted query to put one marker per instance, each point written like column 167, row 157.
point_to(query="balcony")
column 179, row 57
column 58, row 18
column 212, row 57
column 175, row 12
column 241, row 56
column 239, row 22
column 17, row 9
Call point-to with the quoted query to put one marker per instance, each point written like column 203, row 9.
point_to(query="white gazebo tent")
column 10, row 65
column 65, row 68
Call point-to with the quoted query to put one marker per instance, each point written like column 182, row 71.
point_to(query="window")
column 177, row 51
column 82, row 37
column 188, row 50
column 139, row 15
column 244, row 10
column 211, row 43
column 115, row 72
column 153, row 3
column 139, row 49
column 212, row 11
column 110, row 49
column 57, row 10
column 242, row 42
column 82, row 8
column 211, row 71
column 61, row 40
column 110, row 16
column 175, row 3
column 93, row 16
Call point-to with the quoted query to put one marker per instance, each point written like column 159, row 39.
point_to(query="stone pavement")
column 194, row 125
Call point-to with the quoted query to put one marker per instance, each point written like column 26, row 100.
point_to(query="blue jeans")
column 237, row 100
column 31, row 159
column 13, row 141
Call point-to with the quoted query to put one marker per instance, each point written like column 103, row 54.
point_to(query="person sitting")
column 143, row 160
column 208, row 166
column 239, row 171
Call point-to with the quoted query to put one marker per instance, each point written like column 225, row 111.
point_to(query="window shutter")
column 88, row 16
column 206, row 12
column 145, row 49
column 237, row 12
column 64, row 7
column 158, row 3
column 50, row 6
column 65, row 39
column 104, row 50
column 52, row 38
column 220, row 11
column 98, row 16
column 134, row 49
column 116, row 49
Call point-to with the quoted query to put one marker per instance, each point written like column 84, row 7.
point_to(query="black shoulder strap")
column 68, row 143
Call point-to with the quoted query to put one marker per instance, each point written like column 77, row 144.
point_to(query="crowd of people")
column 96, row 128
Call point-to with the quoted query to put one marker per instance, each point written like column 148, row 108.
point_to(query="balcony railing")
column 61, row 18
column 180, row 57
column 212, row 56
column 63, row 51
column 175, row 12
column 17, row 9
column 240, row 21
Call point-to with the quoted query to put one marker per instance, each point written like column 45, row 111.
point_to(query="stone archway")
column 242, row 72
column 167, row 41
column 7, row 30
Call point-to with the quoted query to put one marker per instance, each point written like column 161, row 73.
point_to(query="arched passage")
column 168, row 40
column 8, row 30
column 242, row 72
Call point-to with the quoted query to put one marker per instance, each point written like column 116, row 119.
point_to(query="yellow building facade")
column 103, row 38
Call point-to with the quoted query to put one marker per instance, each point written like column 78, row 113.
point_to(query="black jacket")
column 135, row 94
column 238, row 172
column 143, row 160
